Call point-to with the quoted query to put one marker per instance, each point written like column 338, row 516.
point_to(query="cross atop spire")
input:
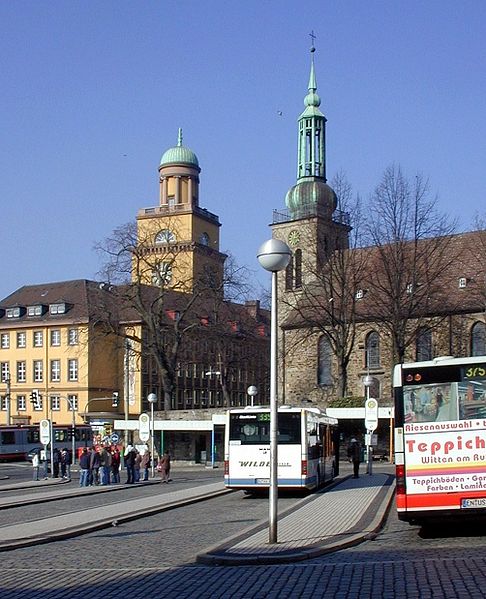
column 312, row 35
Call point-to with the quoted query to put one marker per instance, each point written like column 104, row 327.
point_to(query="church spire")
column 312, row 131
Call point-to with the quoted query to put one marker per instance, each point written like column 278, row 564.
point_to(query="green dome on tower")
column 179, row 154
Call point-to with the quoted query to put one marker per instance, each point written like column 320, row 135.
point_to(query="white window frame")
column 5, row 341
column 55, row 371
column 4, row 371
column 462, row 282
column 38, row 371
column 73, row 402
column 55, row 403
column 73, row 369
column 73, row 336
column 21, row 339
column 21, row 371
column 55, row 335
column 13, row 312
column 38, row 339
column 21, row 403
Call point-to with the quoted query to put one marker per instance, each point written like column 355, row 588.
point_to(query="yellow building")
column 54, row 354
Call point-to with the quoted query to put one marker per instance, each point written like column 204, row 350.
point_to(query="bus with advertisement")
column 308, row 443
column 440, row 438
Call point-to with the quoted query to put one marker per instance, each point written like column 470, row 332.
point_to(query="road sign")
column 115, row 437
column 371, row 414
column 45, row 432
column 144, row 427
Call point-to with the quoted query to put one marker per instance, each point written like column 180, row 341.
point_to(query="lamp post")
column 274, row 256
column 7, row 398
column 252, row 391
column 152, row 398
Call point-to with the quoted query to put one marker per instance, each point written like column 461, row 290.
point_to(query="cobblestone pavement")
column 154, row 557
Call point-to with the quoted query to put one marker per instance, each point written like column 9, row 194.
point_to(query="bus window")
column 7, row 438
column 253, row 429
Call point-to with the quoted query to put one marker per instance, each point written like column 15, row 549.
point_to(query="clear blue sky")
column 92, row 94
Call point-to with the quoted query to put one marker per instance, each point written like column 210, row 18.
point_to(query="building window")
column 21, row 403
column 38, row 371
column 13, row 312
column 55, row 337
column 72, row 370
column 478, row 339
column 424, row 345
column 55, row 371
column 360, row 294
column 289, row 275
column 372, row 350
column 462, row 283
column 4, row 371
column 298, row 269
column 21, row 372
column 73, row 402
column 55, row 403
column 38, row 338
column 34, row 311
column 57, row 308
column 324, row 362
column 73, row 337
column 5, row 341
column 21, row 340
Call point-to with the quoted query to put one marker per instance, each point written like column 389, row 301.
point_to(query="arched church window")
column 478, row 339
column 289, row 275
column 298, row 269
column 324, row 362
column 424, row 345
column 165, row 236
column 372, row 350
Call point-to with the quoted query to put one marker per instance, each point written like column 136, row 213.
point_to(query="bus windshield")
column 462, row 397
column 254, row 429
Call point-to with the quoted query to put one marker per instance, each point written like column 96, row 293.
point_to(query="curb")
column 210, row 556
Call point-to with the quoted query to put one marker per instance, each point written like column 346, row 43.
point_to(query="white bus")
column 307, row 448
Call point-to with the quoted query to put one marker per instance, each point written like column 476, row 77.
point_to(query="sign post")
column 45, row 439
column 371, row 423
column 144, row 427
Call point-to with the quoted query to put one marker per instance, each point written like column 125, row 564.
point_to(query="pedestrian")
column 354, row 455
column 163, row 467
column 94, row 468
column 84, row 467
column 129, row 456
column 56, row 459
column 35, row 466
column 115, row 465
column 105, row 465
column 43, row 459
column 137, row 466
column 146, row 463
column 66, row 461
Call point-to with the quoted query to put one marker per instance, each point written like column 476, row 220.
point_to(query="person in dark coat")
column 354, row 454
column 163, row 467
column 130, row 457
column 56, row 460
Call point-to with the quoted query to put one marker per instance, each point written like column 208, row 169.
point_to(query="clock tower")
column 178, row 241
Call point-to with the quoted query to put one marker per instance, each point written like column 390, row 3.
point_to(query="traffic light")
column 114, row 399
column 35, row 399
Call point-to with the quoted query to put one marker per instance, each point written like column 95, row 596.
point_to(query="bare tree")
column 155, row 314
column 409, row 259
column 334, row 267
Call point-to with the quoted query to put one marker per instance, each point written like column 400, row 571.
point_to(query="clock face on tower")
column 165, row 236
column 294, row 237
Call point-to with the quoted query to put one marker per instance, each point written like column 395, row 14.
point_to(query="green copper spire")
column 179, row 154
column 311, row 158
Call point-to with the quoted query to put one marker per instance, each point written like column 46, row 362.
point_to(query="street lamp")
column 274, row 256
column 152, row 398
column 6, row 380
column 252, row 391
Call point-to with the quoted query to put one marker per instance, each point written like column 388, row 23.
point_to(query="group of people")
column 62, row 460
column 101, row 465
